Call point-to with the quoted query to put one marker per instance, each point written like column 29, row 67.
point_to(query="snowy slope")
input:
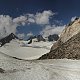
column 39, row 70
column 22, row 50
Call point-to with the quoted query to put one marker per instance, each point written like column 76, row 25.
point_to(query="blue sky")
column 64, row 10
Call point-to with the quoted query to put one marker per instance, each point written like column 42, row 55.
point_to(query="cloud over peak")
column 9, row 25
column 51, row 29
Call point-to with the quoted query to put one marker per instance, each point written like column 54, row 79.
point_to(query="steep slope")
column 7, row 39
column 68, row 45
column 70, row 30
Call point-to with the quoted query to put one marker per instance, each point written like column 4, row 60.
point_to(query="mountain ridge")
column 7, row 39
column 68, row 45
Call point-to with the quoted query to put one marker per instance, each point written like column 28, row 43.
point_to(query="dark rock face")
column 40, row 38
column 2, row 70
column 7, row 39
column 30, row 41
column 53, row 37
column 70, row 49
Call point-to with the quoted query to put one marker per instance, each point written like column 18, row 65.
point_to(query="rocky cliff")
column 68, row 45
column 7, row 39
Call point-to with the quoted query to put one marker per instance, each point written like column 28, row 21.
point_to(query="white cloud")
column 49, row 30
column 6, row 25
column 9, row 25
column 43, row 18
column 22, row 20
column 29, row 34
column 30, row 20
column 40, row 18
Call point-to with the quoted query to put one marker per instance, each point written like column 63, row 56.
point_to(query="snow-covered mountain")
column 7, row 39
column 31, row 49
column 49, row 38
column 13, row 68
column 38, row 37
column 15, row 53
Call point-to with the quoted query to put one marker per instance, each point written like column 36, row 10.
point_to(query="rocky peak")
column 7, row 39
column 40, row 38
column 70, row 30
column 68, row 45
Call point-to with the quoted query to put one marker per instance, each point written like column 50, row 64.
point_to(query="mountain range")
column 39, row 38
column 66, row 46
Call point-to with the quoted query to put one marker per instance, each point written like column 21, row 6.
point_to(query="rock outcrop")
column 68, row 45
column 53, row 37
column 7, row 39
column 40, row 38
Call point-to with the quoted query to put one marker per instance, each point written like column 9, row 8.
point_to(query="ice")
column 63, row 69
column 29, row 69
column 28, row 52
